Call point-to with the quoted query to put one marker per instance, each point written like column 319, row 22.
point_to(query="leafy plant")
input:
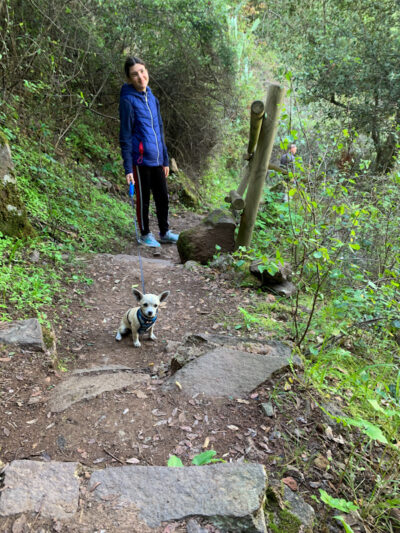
column 203, row 458
column 337, row 503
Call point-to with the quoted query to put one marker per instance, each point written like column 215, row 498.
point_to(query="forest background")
column 61, row 71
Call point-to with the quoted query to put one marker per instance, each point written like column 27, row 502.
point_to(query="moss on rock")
column 287, row 512
column 186, row 190
column 13, row 217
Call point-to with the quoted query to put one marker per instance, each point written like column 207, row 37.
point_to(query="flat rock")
column 86, row 384
column 24, row 333
column 49, row 488
column 228, row 372
column 230, row 495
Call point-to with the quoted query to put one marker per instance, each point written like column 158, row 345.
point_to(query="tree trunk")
column 385, row 154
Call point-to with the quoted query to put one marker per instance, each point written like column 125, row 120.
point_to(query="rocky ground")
column 108, row 404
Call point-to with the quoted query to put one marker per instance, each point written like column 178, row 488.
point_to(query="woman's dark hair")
column 130, row 61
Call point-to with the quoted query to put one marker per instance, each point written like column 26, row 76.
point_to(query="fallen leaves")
column 329, row 433
column 321, row 462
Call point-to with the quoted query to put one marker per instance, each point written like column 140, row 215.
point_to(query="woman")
column 144, row 151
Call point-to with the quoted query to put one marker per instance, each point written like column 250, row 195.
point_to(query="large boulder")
column 198, row 243
column 13, row 218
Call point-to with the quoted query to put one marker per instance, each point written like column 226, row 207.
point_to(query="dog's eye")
column 145, row 305
column 155, row 305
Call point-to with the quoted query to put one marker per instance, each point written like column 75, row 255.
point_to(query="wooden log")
column 256, row 118
column 260, row 164
column 236, row 200
column 281, row 170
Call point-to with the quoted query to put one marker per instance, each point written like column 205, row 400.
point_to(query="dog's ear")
column 138, row 294
column 163, row 296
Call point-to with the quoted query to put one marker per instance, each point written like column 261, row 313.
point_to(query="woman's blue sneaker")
column 169, row 237
column 149, row 240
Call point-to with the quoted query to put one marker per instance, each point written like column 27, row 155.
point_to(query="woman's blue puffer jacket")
column 141, row 129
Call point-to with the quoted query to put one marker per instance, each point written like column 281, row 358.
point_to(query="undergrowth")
column 35, row 275
column 339, row 233
column 73, row 198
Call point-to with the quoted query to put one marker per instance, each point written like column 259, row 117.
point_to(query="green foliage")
column 174, row 461
column 203, row 458
column 29, row 288
column 72, row 63
column 337, row 503
column 339, row 64
column 345, row 525
column 63, row 199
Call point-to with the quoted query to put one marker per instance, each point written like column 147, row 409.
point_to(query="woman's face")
column 138, row 77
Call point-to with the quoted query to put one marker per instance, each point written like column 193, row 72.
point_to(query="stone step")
column 225, row 372
column 229, row 495
column 142, row 499
column 88, row 383
column 32, row 486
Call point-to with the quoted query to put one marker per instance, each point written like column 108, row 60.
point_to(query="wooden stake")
column 256, row 118
column 259, row 166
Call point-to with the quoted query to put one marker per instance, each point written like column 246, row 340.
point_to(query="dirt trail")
column 146, row 424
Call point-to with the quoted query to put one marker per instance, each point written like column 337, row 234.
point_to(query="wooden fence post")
column 260, row 164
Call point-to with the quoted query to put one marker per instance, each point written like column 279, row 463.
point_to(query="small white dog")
column 141, row 319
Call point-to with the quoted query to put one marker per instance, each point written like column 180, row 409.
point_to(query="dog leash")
column 131, row 194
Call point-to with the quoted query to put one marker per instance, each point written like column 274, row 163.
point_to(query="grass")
column 69, row 207
column 33, row 276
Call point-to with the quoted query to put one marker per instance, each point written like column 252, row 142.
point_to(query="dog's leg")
column 122, row 330
column 135, row 337
column 152, row 336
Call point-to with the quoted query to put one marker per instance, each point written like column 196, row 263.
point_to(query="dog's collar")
column 144, row 321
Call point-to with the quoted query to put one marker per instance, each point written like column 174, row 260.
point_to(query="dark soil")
column 146, row 425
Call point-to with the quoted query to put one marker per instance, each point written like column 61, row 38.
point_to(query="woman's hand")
column 129, row 178
column 166, row 171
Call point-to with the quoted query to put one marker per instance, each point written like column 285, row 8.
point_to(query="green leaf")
column 337, row 503
column 346, row 526
column 204, row 458
column 387, row 412
column 174, row 461
column 369, row 429
column 255, row 25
